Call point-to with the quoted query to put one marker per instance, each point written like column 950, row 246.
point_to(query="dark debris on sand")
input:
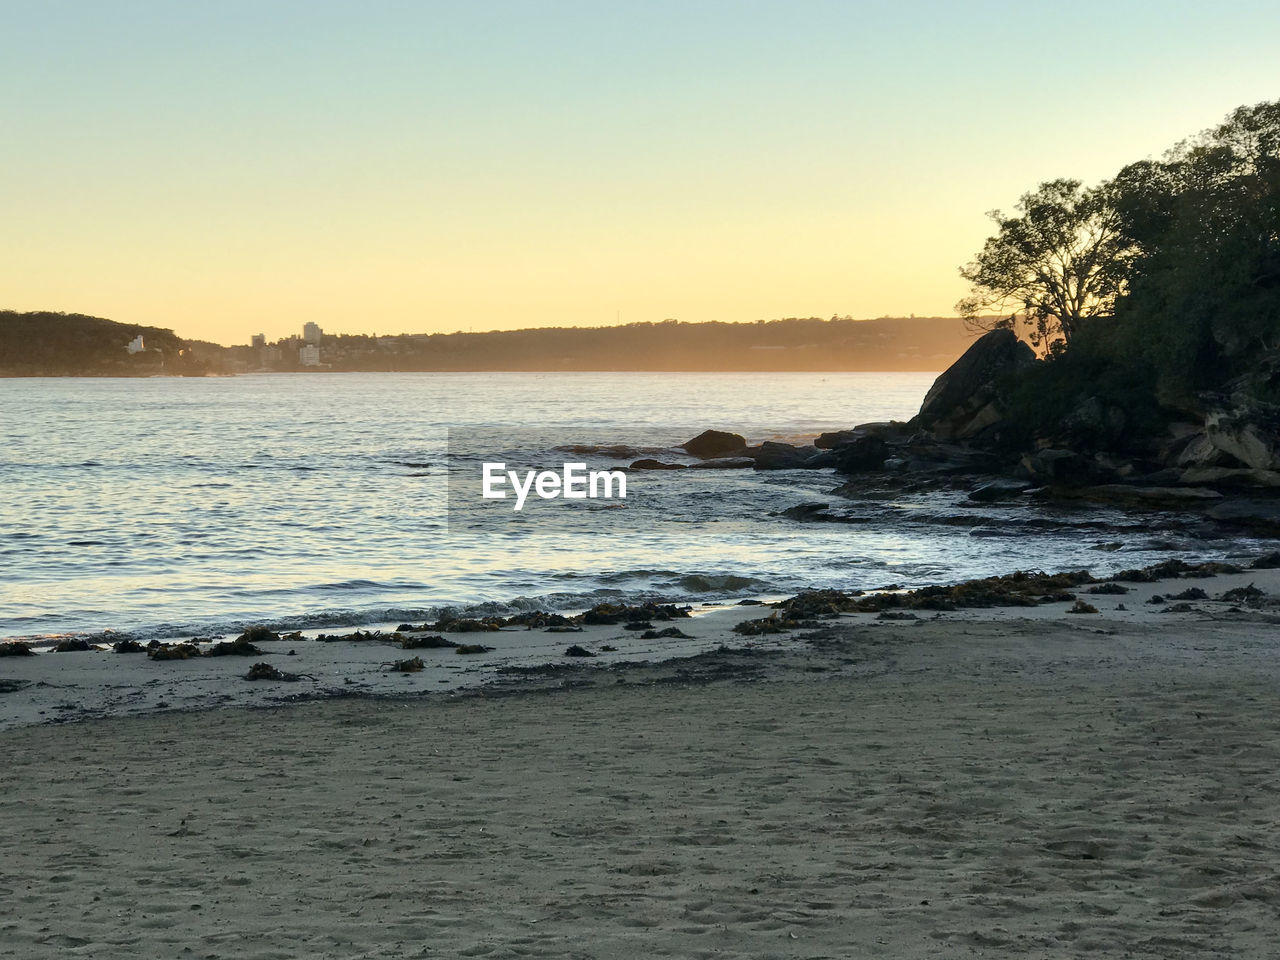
column 1020, row 589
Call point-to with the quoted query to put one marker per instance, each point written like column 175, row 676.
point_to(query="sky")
column 244, row 166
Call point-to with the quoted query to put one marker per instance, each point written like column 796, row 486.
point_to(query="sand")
column 986, row 785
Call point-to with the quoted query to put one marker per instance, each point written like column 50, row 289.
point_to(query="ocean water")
column 178, row 507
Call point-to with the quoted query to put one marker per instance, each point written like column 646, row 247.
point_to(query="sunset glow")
column 234, row 168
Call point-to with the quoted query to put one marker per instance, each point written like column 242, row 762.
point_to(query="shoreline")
column 1010, row 782
column 472, row 657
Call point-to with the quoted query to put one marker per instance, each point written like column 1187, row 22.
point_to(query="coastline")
column 469, row 656
column 997, row 780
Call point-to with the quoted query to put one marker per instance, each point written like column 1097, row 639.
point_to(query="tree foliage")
column 1061, row 260
column 1159, row 287
column 1204, row 299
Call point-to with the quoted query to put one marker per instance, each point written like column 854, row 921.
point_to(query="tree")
column 1062, row 260
column 1203, row 300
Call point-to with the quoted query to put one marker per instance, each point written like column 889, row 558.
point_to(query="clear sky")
column 231, row 167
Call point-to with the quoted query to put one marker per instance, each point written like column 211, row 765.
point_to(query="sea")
column 179, row 507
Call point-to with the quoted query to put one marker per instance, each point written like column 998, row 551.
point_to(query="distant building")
column 312, row 333
column 309, row 355
column 135, row 345
column 258, row 341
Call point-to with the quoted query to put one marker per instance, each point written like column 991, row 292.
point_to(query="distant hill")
column 60, row 344
column 814, row 344
column 46, row 344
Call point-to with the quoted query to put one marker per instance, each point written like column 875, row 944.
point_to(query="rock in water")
column 962, row 402
column 998, row 489
column 785, row 456
column 650, row 464
column 715, row 443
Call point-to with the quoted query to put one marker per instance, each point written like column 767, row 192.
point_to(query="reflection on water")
column 172, row 506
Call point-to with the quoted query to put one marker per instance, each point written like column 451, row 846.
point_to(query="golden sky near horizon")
column 235, row 168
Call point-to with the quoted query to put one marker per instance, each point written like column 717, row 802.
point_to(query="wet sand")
column 978, row 785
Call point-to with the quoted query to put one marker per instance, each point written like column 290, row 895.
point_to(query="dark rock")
column 258, row 634
column 239, row 647
column 609, row 614
column 963, row 402
column 356, row 636
column 265, row 671
column 806, row 512
column 173, row 651
column 998, row 489
column 638, row 625
column 862, row 453
column 1150, row 497
column 16, row 648
column 672, row 632
column 769, row 625
column 1191, row 593
column 786, row 456
column 1114, row 589
column 412, row 665
column 648, row 464
column 1061, row 466
column 1082, row 607
column 538, row 620
column 1168, row 569
column 1250, row 595
column 714, row 443
column 577, row 651
column 425, row 643
column 1269, row 561
column 1262, row 516
column 72, row 645
column 837, row 438
column 468, row 625
column 472, row 648
column 13, row 686
column 128, row 646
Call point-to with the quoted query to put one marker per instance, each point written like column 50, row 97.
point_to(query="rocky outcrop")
column 964, row 401
column 771, row 455
column 1238, row 447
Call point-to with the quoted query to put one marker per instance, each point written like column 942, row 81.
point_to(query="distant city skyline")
column 239, row 168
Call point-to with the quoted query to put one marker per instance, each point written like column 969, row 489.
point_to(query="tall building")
column 258, row 341
column 312, row 333
column 309, row 355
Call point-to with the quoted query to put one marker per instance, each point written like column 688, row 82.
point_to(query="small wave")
column 723, row 583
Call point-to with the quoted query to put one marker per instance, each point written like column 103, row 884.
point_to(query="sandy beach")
column 979, row 784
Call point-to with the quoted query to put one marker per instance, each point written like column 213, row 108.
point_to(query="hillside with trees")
column 841, row 343
column 51, row 344
column 47, row 344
